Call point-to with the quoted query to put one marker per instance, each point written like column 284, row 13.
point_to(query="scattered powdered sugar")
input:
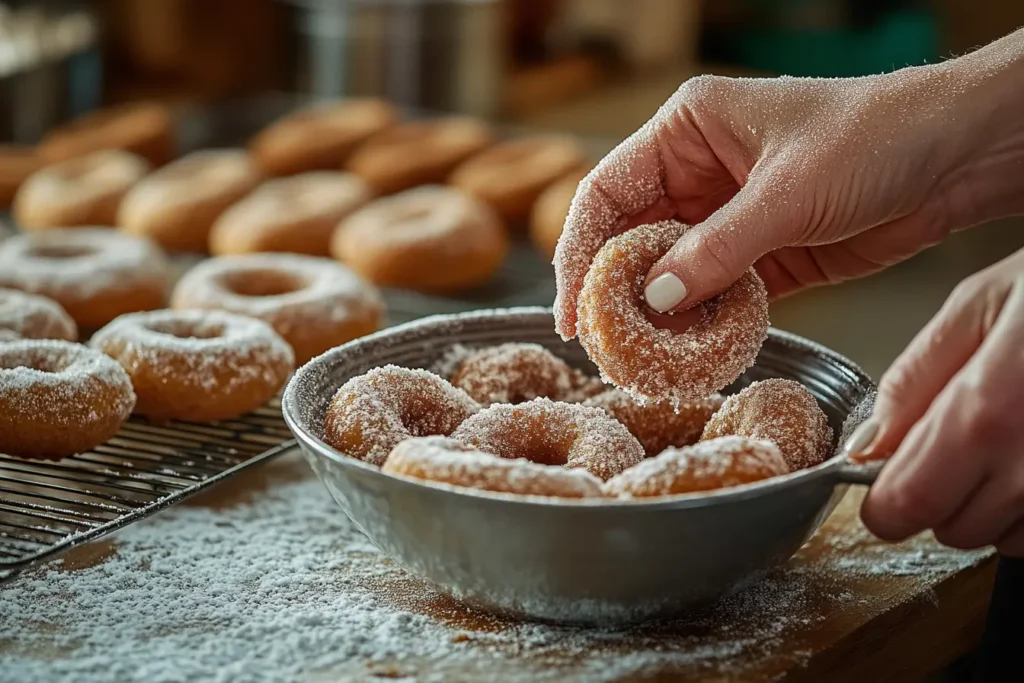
column 553, row 433
column 33, row 317
column 861, row 412
column 451, row 359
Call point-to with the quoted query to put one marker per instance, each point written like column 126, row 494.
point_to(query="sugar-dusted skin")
column 27, row 316
column 781, row 411
column 659, row 364
column 658, row 426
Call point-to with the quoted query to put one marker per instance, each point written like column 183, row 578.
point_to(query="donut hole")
column 40, row 362
column 58, row 252
column 180, row 329
column 263, row 283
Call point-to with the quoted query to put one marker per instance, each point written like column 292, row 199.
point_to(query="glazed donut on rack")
column 58, row 398
column 297, row 214
column 429, row 239
column 418, row 153
column 86, row 190
column 16, row 165
column 781, row 411
column 95, row 274
column 143, row 128
column 516, row 372
column 510, row 176
column 201, row 366
column 549, row 211
column 177, row 205
column 658, row 426
column 27, row 316
column 551, row 433
column 372, row 413
column 446, row 461
column 314, row 303
column 321, row 136
column 659, row 364
column 705, row 466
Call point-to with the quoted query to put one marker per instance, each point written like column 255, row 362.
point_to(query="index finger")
column 629, row 181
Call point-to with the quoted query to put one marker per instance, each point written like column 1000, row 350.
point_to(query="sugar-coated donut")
column 143, row 128
column 435, row 458
column 16, row 164
column 197, row 365
column 27, row 316
column 297, row 214
column 320, row 137
column 314, row 303
column 418, row 152
column 429, row 239
column 657, row 364
column 86, row 190
column 177, row 205
column 705, row 466
column 516, row 372
column 372, row 413
column 552, row 433
column 549, row 211
column 781, row 411
column 58, row 398
column 658, row 426
column 510, row 176
column 93, row 273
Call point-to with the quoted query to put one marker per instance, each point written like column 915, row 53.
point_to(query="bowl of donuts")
column 485, row 454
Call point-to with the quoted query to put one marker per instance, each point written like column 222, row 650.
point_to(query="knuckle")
column 959, row 538
column 898, row 381
column 698, row 93
column 913, row 507
column 717, row 253
column 984, row 422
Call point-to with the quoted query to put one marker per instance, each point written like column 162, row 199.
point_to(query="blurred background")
column 596, row 69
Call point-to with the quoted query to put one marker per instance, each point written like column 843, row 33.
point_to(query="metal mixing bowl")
column 604, row 561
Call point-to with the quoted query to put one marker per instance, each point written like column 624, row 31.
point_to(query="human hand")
column 811, row 180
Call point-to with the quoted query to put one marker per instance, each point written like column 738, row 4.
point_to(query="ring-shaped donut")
column 27, row 316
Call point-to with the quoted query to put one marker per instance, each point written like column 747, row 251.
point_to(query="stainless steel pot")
column 574, row 561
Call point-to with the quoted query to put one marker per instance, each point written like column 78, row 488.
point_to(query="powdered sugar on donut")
column 658, row 426
column 33, row 317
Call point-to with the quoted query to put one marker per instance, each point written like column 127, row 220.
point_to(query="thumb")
column 713, row 255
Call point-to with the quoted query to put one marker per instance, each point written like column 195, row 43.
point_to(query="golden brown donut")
column 705, row 466
column 177, row 205
column 314, row 303
column 320, row 137
column 143, row 128
column 93, row 273
column 428, row 239
column 418, row 153
column 437, row 459
column 551, row 433
column 510, row 176
column 296, row 214
column 549, row 211
column 781, row 411
column 372, row 413
column 658, row 364
column 86, row 190
column 658, row 426
column 16, row 164
column 58, row 398
column 200, row 366
column 27, row 316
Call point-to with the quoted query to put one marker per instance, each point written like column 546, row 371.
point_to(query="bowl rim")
column 699, row 499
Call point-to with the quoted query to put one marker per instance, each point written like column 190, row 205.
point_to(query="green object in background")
column 901, row 39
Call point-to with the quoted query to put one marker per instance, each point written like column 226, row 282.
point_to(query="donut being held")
column 658, row 426
column 314, row 303
column 512, row 175
column 550, row 433
column 143, row 128
column 418, row 152
column 429, row 239
column 372, row 413
column 296, row 214
column 781, row 411
column 446, row 461
column 94, row 274
column 86, row 190
column 516, row 372
column 58, row 398
column 16, row 165
column 177, row 205
column 200, row 366
column 321, row 136
column 549, row 211
column 655, row 364
column 27, row 316
column 705, row 466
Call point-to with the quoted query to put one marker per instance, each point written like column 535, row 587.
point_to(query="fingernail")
column 665, row 292
column 861, row 438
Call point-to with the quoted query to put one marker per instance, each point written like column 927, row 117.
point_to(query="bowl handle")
column 850, row 472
